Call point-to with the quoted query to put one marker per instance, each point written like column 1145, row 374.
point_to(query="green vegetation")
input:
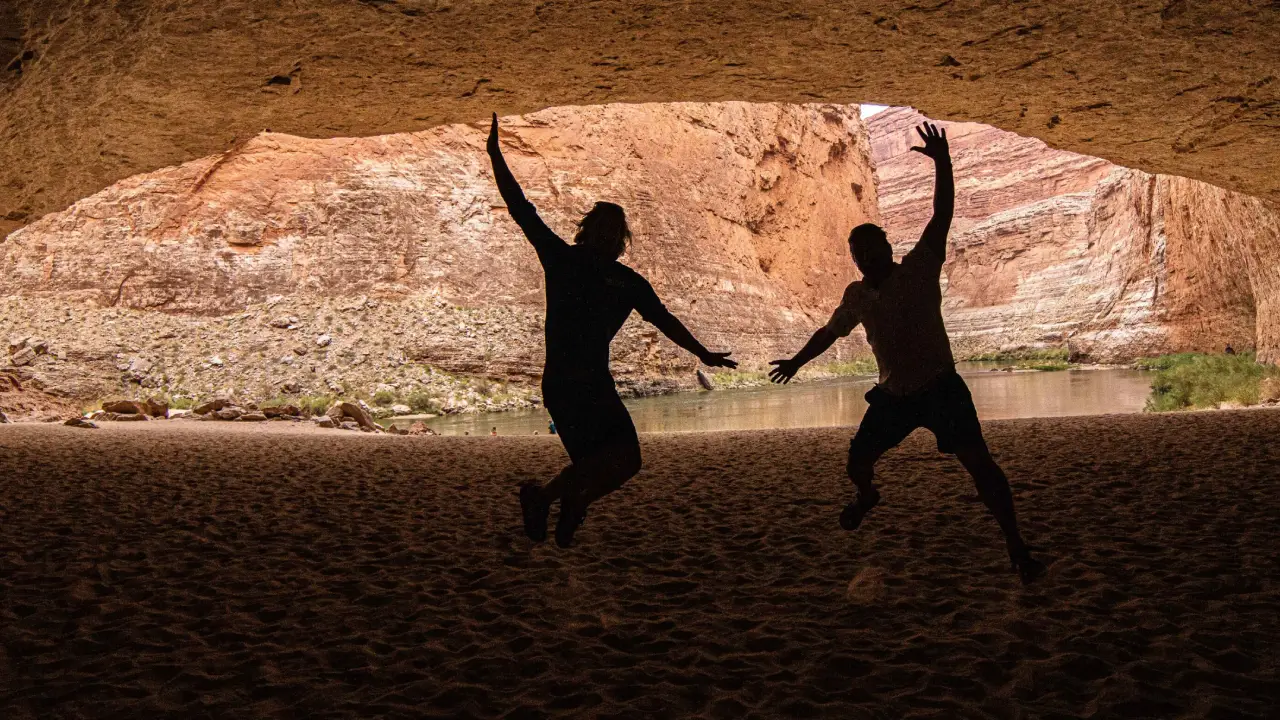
column 1194, row 380
column 422, row 402
column 312, row 405
column 384, row 398
column 181, row 402
column 857, row 366
column 1034, row 355
column 1042, row 359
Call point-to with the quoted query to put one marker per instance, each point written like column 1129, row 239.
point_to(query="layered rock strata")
column 288, row 262
column 1051, row 248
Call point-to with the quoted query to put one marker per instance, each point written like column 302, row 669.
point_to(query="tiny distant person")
column 1231, row 350
column 494, row 432
column 589, row 296
column 551, row 428
column 900, row 305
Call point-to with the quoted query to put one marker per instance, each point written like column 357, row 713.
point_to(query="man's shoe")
column 535, row 512
column 855, row 511
column 573, row 511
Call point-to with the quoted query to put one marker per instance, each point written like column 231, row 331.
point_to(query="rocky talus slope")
column 288, row 265
column 1051, row 248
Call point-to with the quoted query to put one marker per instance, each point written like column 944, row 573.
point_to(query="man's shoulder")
column 922, row 259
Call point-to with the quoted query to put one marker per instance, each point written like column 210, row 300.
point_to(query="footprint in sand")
column 866, row 587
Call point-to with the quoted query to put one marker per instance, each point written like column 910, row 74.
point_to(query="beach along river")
column 997, row 395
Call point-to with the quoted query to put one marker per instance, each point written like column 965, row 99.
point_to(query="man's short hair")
column 867, row 235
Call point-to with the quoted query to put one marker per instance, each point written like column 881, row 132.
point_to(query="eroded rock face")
column 1050, row 247
column 91, row 93
column 295, row 261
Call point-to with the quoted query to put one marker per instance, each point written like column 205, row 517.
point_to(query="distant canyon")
column 289, row 266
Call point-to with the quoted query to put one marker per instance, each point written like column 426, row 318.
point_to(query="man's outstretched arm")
column 944, row 192
column 820, row 342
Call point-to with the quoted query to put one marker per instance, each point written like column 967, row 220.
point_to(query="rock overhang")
column 95, row 93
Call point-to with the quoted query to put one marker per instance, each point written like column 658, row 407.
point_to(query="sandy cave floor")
column 211, row 570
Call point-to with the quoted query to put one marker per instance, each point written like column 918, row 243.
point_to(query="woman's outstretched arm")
column 522, row 211
column 651, row 309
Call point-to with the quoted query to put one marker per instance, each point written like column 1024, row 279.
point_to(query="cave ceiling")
column 92, row 91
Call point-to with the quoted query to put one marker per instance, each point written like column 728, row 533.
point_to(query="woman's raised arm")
column 522, row 211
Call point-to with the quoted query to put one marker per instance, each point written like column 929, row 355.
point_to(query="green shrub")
column 312, row 405
column 384, row 398
column 1194, row 380
column 422, row 402
column 1164, row 362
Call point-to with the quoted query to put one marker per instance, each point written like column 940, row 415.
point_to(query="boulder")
column 343, row 410
column 157, row 408
column 401, row 409
column 4, row 419
column 81, row 423
column 420, row 428
column 23, row 357
column 323, row 421
column 323, row 341
column 178, row 414
column 281, row 411
column 228, row 413
column 252, row 417
column 349, row 425
column 1269, row 390
column 126, row 417
column 212, row 406
column 125, row 407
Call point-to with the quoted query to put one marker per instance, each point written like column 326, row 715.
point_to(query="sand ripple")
column 199, row 571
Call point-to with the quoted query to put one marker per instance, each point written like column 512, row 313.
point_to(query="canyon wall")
column 1051, row 249
column 310, row 264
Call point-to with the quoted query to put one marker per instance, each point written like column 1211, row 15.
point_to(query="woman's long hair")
column 604, row 229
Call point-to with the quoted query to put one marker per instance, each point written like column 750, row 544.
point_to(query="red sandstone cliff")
column 739, row 213
column 1050, row 247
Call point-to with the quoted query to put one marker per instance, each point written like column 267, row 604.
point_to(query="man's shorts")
column 944, row 406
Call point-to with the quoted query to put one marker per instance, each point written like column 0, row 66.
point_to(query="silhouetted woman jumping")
column 589, row 296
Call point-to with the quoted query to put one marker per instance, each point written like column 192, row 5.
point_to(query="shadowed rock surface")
column 93, row 93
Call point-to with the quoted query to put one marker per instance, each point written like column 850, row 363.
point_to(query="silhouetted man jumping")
column 589, row 296
column 900, row 305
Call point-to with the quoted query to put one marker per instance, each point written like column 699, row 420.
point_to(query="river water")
column 996, row 394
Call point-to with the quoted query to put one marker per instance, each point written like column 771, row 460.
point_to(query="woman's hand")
column 715, row 359
column 492, row 145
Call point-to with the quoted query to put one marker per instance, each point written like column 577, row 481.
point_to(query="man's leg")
column 993, row 489
column 886, row 423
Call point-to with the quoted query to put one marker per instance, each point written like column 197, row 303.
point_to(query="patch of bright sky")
column 869, row 110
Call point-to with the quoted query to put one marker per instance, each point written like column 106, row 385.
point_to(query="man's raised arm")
column 944, row 192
